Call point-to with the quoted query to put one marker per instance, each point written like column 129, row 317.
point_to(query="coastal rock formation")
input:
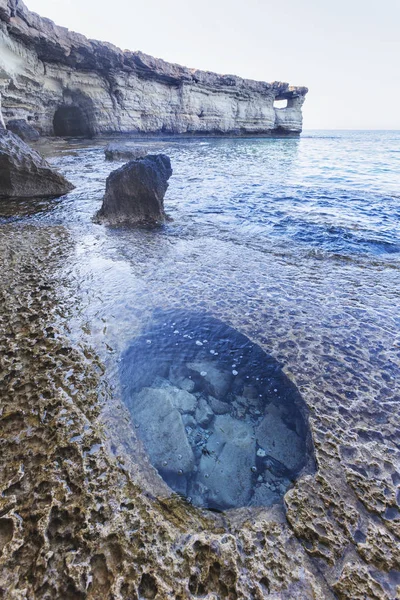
column 25, row 131
column 68, row 85
column 123, row 152
column 24, row 173
column 135, row 192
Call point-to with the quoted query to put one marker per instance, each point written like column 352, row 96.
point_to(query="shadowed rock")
column 122, row 152
column 25, row 131
column 135, row 192
column 24, row 173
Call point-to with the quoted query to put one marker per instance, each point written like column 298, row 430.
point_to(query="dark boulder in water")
column 25, row 131
column 122, row 152
column 135, row 192
column 24, row 173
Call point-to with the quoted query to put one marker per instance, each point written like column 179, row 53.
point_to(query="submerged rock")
column 218, row 381
column 162, row 431
column 25, row 131
column 122, row 152
column 225, row 468
column 204, row 414
column 24, row 173
column 280, row 442
column 135, row 192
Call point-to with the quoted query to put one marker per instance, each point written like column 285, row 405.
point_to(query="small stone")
column 204, row 414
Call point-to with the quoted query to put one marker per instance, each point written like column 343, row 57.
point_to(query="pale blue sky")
column 346, row 51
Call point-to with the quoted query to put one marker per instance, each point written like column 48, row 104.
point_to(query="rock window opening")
column 280, row 103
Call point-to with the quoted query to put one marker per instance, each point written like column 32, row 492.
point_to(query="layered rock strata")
column 68, row 85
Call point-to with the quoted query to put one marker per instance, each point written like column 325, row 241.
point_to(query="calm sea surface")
column 311, row 222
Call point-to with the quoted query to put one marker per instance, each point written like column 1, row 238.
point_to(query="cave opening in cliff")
column 218, row 418
column 72, row 121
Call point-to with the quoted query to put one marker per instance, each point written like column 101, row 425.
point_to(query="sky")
column 347, row 52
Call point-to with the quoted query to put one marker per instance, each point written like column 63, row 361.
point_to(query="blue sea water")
column 328, row 197
column 334, row 192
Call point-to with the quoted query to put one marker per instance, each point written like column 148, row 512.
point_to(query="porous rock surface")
column 135, row 192
column 24, row 173
column 76, row 517
column 69, row 85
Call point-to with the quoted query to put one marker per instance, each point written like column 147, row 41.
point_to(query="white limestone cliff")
column 64, row 84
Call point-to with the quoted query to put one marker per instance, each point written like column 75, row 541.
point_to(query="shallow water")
column 293, row 242
column 220, row 421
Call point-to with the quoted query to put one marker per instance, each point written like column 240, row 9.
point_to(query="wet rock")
column 269, row 490
column 280, row 442
column 218, row 381
column 204, row 414
column 225, row 466
column 162, row 430
column 182, row 400
column 123, row 152
column 25, row 131
column 217, row 406
column 178, row 375
column 25, row 174
column 135, row 192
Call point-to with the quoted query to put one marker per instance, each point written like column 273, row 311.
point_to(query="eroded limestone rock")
column 25, row 174
column 135, row 192
column 61, row 77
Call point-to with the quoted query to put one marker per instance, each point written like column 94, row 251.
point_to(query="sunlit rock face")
column 218, row 418
column 67, row 85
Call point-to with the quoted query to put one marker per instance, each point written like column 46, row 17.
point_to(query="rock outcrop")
column 135, row 192
column 25, row 131
column 65, row 84
column 24, row 173
column 123, row 152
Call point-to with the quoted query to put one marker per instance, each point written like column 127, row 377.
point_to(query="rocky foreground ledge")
column 68, row 85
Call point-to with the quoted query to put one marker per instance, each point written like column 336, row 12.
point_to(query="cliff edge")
column 65, row 84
